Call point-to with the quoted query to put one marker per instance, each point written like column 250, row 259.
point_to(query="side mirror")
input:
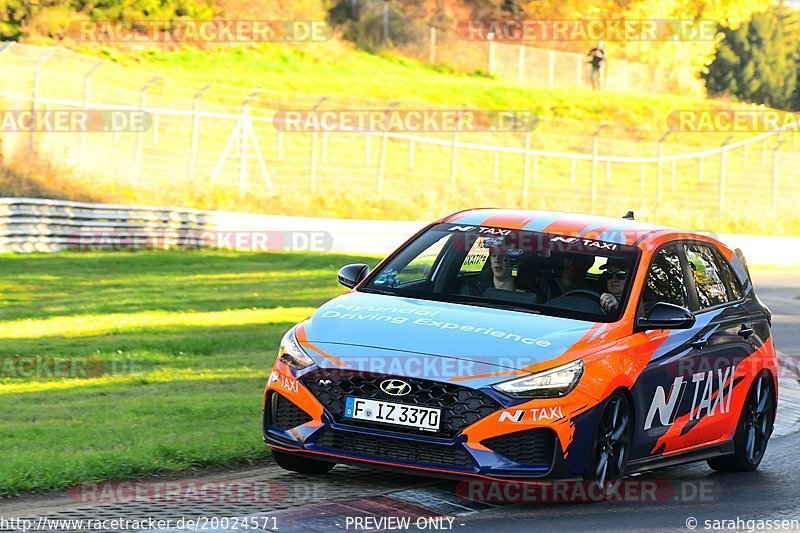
column 664, row 315
column 352, row 275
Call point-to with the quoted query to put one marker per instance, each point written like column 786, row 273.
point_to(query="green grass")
column 193, row 336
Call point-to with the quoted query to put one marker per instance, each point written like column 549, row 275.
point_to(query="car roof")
column 608, row 229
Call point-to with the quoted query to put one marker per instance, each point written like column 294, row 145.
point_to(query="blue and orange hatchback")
column 523, row 345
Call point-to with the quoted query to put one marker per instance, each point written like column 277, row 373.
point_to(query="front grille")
column 529, row 447
column 396, row 449
column 284, row 414
column 461, row 406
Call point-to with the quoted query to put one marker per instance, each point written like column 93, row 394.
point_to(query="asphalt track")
column 354, row 499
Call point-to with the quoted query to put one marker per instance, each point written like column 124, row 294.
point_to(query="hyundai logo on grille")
column 395, row 387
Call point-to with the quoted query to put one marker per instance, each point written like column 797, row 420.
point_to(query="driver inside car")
column 573, row 278
column 615, row 275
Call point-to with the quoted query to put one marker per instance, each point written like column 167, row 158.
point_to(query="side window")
column 420, row 267
column 711, row 288
column 665, row 281
column 733, row 283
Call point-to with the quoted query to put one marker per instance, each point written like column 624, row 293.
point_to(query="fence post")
column 86, row 95
column 384, row 146
column 37, row 74
column 521, row 64
column 551, row 67
column 673, row 176
column 244, row 142
column 699, row 170
column 432, row 46
column 137, row 165
column 660, row 164
column 195, row 131
column 595, row 146
column 723, row 172
column 775, row 172
column 313, row 167
column 643, row 178
column 572, row 172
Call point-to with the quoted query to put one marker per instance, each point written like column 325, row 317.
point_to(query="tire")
column 301, row 464
column 755, row 422
column 608, row 456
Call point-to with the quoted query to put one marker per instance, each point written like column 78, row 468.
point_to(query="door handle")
column 745, row 331
column 699, row 343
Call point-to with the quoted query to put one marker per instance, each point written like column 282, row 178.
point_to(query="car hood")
column 509, row 339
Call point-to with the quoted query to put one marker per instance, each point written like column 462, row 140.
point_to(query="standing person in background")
column 597, row 56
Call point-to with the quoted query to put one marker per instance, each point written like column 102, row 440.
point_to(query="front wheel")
column 301, row 464
column 608, row 456
column 753, row 431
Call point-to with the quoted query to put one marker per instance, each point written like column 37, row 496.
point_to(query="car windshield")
column 528, row 271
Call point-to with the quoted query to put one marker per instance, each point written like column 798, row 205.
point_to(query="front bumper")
column 483, row 433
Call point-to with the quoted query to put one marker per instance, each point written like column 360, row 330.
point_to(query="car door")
column 714, row 364
column 660, row 391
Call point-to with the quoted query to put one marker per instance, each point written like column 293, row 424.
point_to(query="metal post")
column 313, row 166
column 723, row 171
column 775, row 172
column 700, row 170
column 324, row 146
column 535, row 169
column 643, row 178
column 659, row 170
column 195, row 131
column 37, row 69
column 244, row 142
column 745, row 149
column 595, row 146
column 521, row 65
column 384, row 146
column 86, row 96
column 572, row 172
column 551, row 67
column 674, row 176
column 137, row 165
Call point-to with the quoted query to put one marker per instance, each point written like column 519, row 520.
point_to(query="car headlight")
column 292, row 353
column 551, row 383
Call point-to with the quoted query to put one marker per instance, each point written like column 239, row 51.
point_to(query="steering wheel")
column 586, row 293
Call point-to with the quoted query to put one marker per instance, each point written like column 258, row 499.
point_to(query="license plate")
column 423, row 418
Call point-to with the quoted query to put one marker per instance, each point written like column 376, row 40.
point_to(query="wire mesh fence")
column 206, row 142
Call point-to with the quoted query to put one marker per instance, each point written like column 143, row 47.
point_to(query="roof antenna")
column 629, row 216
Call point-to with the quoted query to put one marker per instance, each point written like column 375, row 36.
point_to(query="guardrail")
column 38, row 225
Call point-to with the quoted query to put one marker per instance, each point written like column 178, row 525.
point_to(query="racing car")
column 531, row 345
